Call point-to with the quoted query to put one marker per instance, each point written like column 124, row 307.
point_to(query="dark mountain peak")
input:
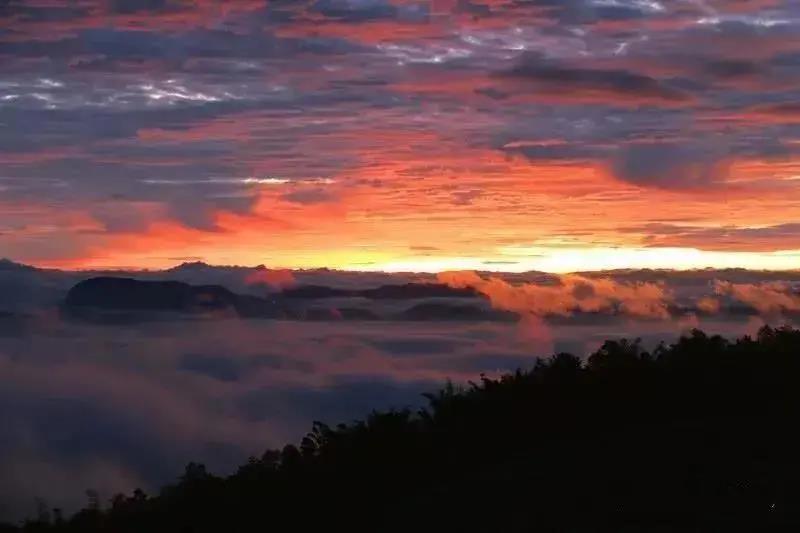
column 132, row 294
column 8, row 265
column 190, row 265
column 128, row 294
column 317, row 291
column 419, row 290
column 406, row 291
column 201, row 267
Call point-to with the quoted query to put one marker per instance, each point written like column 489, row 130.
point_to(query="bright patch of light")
column 176, row 93
column 643, row 5
column 46, row 82
column 322, row 181
column 265, row 181
column 564, row 260
column 415, row 54
column 471, row 39
column 764, row 22
column 250, row 180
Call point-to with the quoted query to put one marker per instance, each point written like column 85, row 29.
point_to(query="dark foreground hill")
column 697, row 436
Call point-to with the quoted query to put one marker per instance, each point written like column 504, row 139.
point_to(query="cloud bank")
column 117, row 406
column 571, row 294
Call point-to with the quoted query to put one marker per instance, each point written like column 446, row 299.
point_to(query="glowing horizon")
column 562, row 261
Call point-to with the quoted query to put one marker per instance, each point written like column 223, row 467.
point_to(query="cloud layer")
column 112, row 408
column 116, row 406
column 570, row 294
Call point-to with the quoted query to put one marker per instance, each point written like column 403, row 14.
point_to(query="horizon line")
column 132, row 268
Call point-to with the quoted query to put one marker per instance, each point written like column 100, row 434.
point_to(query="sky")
column 555, row 135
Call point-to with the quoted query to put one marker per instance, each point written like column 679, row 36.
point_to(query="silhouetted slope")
column 117, row 294
column 126, row 294
column 410, row 291
column 9, row 265
column 697, row 436
column 407, row 291
column 317, row 292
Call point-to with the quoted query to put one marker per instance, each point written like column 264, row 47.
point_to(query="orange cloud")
column 572, row 294
column 276, row 279
column 768, row 298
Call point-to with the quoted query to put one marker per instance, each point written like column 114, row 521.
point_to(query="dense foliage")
column 699, row 435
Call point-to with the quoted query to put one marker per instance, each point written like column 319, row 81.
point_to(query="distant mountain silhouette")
column 199, row 267
column 313, row 292
column 192, row 265
column 30, row 289
column 7, row 264
column 413, row 291
column 111, row 299
column 407, row 291
column 127, row 294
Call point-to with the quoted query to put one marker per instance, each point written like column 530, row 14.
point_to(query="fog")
column 113, row 407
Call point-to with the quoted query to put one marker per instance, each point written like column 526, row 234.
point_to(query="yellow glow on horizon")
column 554, row 259
column 564, row 260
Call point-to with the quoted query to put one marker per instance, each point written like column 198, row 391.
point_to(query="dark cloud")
column 200, row 213
column 491, row 92
column 216, row 367
column 109, row 45
column 768, row 238
column 786, row 110
column 361, row 11
column 134, row 6
column 309, row 196
column 548, row 75
column 355, row 10
column 28, row 12
column 733, row 68
column 580, row 12
column 787, row 59
column 671, row 165
column 473, row 8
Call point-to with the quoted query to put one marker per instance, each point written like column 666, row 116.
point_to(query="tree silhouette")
column 699, row 435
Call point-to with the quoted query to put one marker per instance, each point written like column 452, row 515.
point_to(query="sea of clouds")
column 115, row 407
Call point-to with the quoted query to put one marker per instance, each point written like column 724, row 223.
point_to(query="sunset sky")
column 555, row 135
